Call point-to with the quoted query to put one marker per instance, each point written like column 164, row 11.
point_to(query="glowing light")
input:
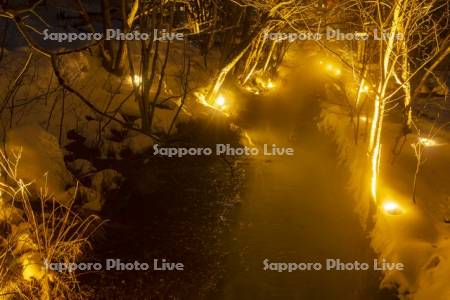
column 270, row 84
column 365, row 89
column 363, row 118
column 375, row 168
column 321, row 62
column 392, row 208
column 201, row 98
column 374, row 142
column 252, row 90
column 220, row 101
column 136, row 79
column 336, row 71
column 427, row 142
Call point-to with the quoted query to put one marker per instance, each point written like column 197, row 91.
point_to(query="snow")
column 139, row 143
column 32, row 266
column 164, row 117
column 109, row 93
column 418, row 237
column 41, row 160
column 9, row 213
column 81, row 167
column 103, row 182
column 433, row 283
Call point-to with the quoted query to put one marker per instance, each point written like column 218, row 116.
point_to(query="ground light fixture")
column 427, row 142
column 136, row 79
column 252, row 90
column 365, row 89
column 333, row 69
column 392, row 208
column 220, row 101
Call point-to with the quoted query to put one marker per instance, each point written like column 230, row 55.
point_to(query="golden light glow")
column 262, row 84
column 365, row 89
column 32, row 267
column 137, row 80
column 220, row 101
column 375, row 164
column 252, row 89
column 374, row 141
column 427, row 142
column 332, row 69
column 392, row 208
column 201, row 98
column 361, row 91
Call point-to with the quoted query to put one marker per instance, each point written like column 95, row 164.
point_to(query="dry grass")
column 35, row 229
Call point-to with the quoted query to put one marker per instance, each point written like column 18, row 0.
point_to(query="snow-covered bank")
column 37, row 221
column 415, row 234
column 39, row 100
column 41, row 158
column 41, row 162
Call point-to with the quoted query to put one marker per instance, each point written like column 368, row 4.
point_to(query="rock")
column 81, row 167
column 103, row 183
column 139, row 143
column 81, row 193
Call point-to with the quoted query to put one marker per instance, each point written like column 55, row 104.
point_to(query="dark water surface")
column 296, row 209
